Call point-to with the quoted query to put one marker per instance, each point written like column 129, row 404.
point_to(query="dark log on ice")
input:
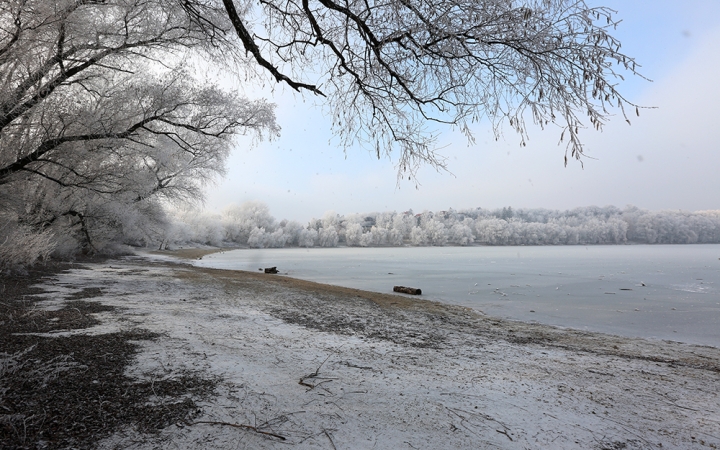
column 407, row 290
column 271, row 270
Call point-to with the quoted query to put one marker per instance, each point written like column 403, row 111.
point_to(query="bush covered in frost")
column 20, row 246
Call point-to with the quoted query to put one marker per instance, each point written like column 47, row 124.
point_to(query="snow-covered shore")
column 320, row 366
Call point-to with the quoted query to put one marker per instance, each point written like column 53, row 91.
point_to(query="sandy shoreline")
column 320, row 366
column 189, row 253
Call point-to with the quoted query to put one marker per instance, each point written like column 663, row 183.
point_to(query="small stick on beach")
column 239, row 425
column 331, row 441
column 314, row 375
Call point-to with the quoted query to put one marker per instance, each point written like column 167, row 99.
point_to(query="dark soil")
column 71, row 391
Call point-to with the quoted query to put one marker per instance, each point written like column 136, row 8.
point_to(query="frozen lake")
column 652, row 291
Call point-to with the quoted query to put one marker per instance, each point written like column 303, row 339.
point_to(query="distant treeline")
column 252, row 225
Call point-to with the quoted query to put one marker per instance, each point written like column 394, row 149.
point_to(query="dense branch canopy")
column 103, row 117
column 108, row 78
column 390, row 67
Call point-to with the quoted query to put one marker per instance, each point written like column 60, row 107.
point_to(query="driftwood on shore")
column 407, row 290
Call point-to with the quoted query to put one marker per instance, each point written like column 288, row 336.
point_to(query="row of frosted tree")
column 252, row 225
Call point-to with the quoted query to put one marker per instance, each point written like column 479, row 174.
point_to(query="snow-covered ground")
column 318, row 366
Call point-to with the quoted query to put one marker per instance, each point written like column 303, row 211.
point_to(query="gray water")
column 652, row 291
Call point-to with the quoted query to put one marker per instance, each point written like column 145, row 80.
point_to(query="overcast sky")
column 667, row 159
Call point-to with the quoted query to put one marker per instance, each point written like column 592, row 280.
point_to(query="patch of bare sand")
column 188, row 253
column 468, row 319
column 320, row 366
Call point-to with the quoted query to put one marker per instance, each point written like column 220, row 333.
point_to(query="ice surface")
column 651, row 291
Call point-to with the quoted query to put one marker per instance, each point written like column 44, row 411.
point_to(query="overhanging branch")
column 250, row 46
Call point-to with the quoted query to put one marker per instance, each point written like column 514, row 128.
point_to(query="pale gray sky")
column 667, row 159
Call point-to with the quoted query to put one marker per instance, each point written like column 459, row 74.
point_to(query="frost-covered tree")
column 257, row 238
column 387, row 69
column 328, row 237
column 461, row 233
column 20, row 245
column 435, row 232
column 242, row 220
column 330, row 220
column 190, row 226
column 260, row 238
column 379, row 235
column 307, row 237
column 492, row 231
column 353, row 234
column 402, row 225
column 367, row 239
column 418, row 236
column 102, row 121
column 395, row 237
column 292, row 230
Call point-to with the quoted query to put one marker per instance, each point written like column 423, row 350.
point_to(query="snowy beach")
column 298, row 363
